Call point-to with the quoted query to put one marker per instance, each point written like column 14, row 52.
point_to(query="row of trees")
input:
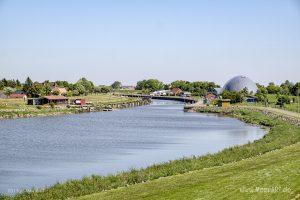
column 198, row 88
column 235, row 97
column 36, row 89
column 10, row 83
column 285, row 88
column 283, row 92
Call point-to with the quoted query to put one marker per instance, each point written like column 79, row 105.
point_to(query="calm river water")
column 38, row 152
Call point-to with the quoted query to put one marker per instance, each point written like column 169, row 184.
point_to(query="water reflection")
column 41, row 151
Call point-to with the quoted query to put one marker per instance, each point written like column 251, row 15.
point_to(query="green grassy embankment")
column 105, row 99
column 15, row 108
column 274, row 175
column 281, row 134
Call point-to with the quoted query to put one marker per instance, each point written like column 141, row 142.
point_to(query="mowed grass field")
column 105, row 98
column 94, row 98
column 272, row 100
column 274, row 175
column 12, row 103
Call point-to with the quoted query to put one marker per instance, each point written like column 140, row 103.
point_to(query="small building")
column 250, row 99
column 54, row 99
column 34, row 101
column 210, row 96
column 17, row 94
column 224, row 103
column 176, row 91
column 48, row 99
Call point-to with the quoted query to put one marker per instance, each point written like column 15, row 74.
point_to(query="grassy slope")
column 278, row 170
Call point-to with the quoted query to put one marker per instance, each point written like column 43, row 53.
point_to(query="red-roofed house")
column 210, row 96
column 18, row 94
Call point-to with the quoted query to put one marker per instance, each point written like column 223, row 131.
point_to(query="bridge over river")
column 174, row 98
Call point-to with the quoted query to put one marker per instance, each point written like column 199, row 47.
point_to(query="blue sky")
column 131, row 40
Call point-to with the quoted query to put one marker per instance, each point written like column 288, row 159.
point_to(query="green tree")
column 1, row 85
column 69, row 93
column 287, row 87
column 296, row 89
column 35, row 91
column 150, row 84
column 261, row 96
column 183, row 85
column 4, row 81
column 283, row 99
column 18, row 83
column 235, row 97
column 199, row 88
column 55, row 92
column 64, row 84
column 273, row 89
column 47, row 90
column 167, row 86
column 244, row 92
column 262, row 89
column 116, row 85
column 106, row 89
column 88, row 85
column 8, row 91
column 80, row 88
column 27, row 85
column 75, row 93
column 97, row 89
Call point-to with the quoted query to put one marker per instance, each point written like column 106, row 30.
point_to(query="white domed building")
column 238, row 83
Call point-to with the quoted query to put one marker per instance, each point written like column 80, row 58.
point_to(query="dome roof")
column 238, row 83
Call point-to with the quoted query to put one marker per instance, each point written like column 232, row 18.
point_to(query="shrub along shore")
column 281, row 133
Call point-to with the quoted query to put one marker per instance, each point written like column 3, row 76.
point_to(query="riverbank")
column 281, row 134
column 262, row 180
column 17, row 108
column 288, row 116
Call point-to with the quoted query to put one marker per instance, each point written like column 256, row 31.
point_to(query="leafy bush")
column 235, row 97
column 39, row 107
column 283, row 99
column 55, row 92
column 69, row 93
column 52, row 105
